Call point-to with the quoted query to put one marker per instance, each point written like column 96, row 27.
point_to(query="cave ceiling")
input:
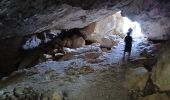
column 22, row 17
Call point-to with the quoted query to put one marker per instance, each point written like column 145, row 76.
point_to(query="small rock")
column 18, row 91
column 51, row 95
column 86, row 69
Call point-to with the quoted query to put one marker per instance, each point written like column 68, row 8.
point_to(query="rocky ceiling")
column 22, row 17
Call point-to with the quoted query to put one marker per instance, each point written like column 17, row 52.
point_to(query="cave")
column 76, row 50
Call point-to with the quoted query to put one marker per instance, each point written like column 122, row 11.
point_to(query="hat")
column 130, row 29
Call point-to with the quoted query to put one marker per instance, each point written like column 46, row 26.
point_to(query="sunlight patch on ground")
column 127, row 23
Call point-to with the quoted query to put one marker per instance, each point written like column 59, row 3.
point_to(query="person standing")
column 128, row 43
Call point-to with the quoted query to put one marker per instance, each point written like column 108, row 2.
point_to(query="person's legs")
column 129, row 54
column 124, row 53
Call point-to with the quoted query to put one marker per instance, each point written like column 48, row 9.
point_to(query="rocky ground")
column 87, row 73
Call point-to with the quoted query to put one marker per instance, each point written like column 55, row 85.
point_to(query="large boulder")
column 136, row 79
column 161, row 72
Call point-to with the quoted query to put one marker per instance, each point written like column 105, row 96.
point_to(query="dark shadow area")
column 157, row 41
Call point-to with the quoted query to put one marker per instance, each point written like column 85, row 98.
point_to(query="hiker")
column 128, row 43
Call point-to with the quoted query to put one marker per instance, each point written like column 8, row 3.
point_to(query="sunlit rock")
column 110, row 25
column 136, row 78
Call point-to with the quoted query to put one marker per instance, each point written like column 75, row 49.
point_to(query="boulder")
column 157, row 96
column 107, row 42
column 51, row 95
column 161, row 72
column 136, row 78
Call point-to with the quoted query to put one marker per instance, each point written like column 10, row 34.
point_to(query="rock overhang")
column 63, row 16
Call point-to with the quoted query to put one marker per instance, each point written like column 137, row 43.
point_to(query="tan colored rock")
column 67, row 42
column 77, row 42
column 161, row 72
column 106, row 42
column 56, row 96
column 136, row 78
column 157, row 96
column 52, row 95
column 88, row 29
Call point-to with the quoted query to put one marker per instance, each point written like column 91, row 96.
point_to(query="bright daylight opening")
column 127, row 23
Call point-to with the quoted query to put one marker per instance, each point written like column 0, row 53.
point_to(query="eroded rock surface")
column 160, row 75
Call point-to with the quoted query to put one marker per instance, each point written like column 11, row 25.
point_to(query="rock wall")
column 160, row 75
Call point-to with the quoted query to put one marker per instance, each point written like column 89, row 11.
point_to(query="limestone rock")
column 136, row 78
column 157, row 96
column 107, row 42
column 78, row 42
column 88, row 30
column 51, row 95
column 161, row 72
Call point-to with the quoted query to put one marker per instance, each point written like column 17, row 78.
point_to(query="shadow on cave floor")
column 100, row 76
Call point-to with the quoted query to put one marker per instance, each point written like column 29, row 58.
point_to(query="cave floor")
column 81, row 77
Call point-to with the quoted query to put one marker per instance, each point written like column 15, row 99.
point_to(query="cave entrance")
column 127, row 23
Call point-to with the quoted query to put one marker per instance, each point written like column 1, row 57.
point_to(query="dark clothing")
column 128, row 43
